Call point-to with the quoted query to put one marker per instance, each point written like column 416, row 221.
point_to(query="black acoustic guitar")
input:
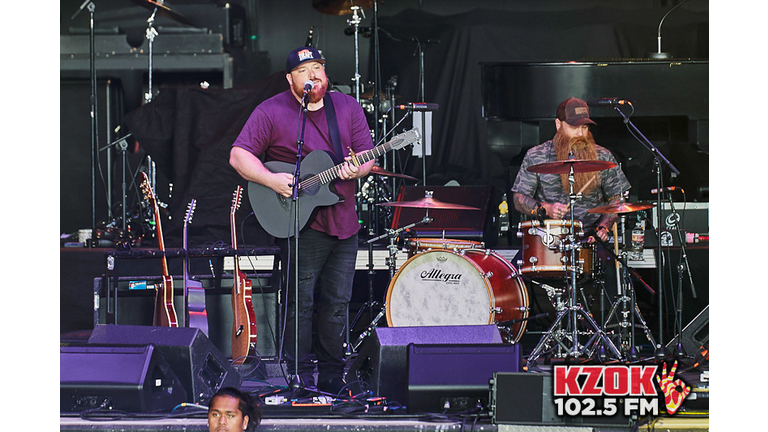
column 318, row 170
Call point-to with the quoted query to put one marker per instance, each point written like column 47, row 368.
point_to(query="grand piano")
column 671, row 108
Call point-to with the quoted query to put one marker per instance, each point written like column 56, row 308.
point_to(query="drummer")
column 546, row 196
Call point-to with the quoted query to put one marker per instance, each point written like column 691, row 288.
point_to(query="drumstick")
column 587, row 184
column 581, row 190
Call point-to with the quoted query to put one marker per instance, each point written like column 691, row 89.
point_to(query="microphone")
column 668, row 188
column 607, row 101
column 308, row 86
column 418, row 106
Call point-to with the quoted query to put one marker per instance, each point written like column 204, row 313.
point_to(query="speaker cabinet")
column 382, row 361
column 694, row 337
column 455, row 378
column 127, row 378
column 200, row 366
column 528, row 398
column 136, row 307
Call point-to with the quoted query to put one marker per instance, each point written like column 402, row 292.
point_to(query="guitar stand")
column 567, row 339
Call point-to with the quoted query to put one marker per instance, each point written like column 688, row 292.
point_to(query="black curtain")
column 189, row 132
column 454, row 46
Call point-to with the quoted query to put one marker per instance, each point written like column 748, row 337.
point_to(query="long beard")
column 581, row 148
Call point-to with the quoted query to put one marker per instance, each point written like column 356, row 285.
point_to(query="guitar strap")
column 333, row 127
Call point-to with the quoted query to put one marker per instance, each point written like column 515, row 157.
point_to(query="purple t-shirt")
column 272, row 129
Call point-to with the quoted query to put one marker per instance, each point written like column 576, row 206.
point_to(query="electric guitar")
column 244, row 318
column 273, row 210
column 195, row 314
column 165, row 314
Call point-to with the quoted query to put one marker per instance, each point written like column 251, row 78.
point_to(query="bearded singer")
column 540, row 195
column 328, row 243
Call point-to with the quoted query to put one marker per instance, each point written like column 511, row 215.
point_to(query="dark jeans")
column 326, row 275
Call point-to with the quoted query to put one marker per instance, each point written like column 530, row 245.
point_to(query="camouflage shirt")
column 549, row 188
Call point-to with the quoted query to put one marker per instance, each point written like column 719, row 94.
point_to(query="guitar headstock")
column 190, row 211
column 237, row 197
column 405, row 139
column 146, row 188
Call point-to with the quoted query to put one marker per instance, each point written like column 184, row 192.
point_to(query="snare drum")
column 543, row 249
column 445, row 287
column 418, row 245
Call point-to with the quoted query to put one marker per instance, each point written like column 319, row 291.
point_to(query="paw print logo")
column 675, row 390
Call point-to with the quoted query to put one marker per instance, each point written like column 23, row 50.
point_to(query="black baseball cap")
column 574, row 111
column 301, row 55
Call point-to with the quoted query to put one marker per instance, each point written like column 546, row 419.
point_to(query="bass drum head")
column 436, row 288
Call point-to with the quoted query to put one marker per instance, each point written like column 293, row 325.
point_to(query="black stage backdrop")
column 455, row 46
column 188, row 132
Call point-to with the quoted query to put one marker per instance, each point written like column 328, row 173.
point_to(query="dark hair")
column 247, row 405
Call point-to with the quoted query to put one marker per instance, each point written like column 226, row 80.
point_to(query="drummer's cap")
column 574, row 111
column 302, row 55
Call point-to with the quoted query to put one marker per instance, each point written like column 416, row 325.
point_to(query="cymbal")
column 340, row 7
column 377, row 170
column 163, row 10
column 428, row 203
column 564, row 166
column 621, row 208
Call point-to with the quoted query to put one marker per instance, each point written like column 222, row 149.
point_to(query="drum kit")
column 460, row 282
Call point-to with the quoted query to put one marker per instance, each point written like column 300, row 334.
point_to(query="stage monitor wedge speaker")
column 135, row 379
column 201, row 368
column 382, row 360
column 455, row 378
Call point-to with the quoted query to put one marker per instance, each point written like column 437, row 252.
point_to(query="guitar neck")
column 332, row 173
column 160, row 242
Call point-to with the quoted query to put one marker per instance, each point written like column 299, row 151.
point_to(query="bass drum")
column 470, row 287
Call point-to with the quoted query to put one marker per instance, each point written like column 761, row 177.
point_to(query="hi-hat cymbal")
column 377, row 170
column 564, row 166
column 340, row 7
column 428, row 203
column 621, row 208
column 163, row 10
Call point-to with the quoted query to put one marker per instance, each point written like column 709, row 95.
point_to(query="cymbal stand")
column 574, row 311
column 630, row 312
column 150, row 33
column 355, row 22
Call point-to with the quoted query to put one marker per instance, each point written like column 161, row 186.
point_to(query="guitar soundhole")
column 311, row 189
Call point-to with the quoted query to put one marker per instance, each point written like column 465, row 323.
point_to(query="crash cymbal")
column 164, row 10
column 377, row 170
column 340, row 7
column 428, row 203
column 564, row 166
column 621, row 208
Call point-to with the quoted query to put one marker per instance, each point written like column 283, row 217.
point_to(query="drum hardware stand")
column 151, row 33
column 393, row 234
column 573, row 311
column 630, row 313
column 355, row 22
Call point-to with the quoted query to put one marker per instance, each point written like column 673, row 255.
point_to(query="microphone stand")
column 296, row 384
column 680, row 352
column 91, row 6
column 659, row 158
